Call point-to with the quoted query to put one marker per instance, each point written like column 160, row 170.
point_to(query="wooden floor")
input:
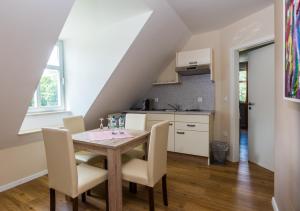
column 191, row 186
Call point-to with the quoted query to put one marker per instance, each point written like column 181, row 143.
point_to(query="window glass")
column 243, row 92
column 243, row 76
column 33, row 102
column 50, row 88
column 49, row 95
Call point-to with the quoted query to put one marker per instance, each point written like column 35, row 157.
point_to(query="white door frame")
column 234, row 115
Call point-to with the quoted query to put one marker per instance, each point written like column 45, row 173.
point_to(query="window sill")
column 27, row 132
column 36, row 130
column 34, row 122
column 48, row 113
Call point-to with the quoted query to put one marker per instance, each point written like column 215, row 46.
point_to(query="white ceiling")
column 208, row 15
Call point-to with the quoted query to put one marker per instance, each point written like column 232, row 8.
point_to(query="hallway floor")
column 244, row 146
column 192, row 186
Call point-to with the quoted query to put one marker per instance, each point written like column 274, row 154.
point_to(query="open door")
column 261, row 106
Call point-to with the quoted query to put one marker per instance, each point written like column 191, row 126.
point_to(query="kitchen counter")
column 172, row 112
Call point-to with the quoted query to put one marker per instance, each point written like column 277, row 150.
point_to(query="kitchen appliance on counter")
column 148, row 104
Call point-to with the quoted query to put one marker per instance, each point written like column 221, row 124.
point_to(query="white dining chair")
column 75, row 124
column 135, row 122
column 149, row 172
column 63, row 174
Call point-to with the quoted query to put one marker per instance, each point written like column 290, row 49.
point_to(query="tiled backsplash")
column 186, row 94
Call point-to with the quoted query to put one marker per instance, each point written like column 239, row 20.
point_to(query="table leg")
column 145, row 147
column 114, row 179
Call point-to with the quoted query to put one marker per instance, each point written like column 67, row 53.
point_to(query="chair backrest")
column 135, row 122
column 74, row 124
column 62, row 170
column 157, row 152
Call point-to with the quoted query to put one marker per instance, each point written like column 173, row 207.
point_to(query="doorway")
column 243, row 105
column 256, row 105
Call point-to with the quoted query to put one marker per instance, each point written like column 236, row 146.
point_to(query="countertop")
column 172, row 112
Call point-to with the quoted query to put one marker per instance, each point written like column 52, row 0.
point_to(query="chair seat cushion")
column 87, row 157
column 89, row 177
column 136, row 171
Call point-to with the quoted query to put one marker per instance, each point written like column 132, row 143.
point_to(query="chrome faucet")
column 175, row 106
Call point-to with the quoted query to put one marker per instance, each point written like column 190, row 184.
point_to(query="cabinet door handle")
column 194, row 62
column 181, row 133
column 171, row 124
column 189, row 125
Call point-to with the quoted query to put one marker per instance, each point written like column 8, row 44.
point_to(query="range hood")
column 196, row 62
column 194, row 70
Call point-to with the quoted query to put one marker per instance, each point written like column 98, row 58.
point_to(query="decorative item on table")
column 114, row 125
column 101, row 123
column 115, row 116
column 121, row 124
column 292, row 50
column 108, row 122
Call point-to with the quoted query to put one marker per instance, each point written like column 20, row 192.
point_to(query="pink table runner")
column 108, row 135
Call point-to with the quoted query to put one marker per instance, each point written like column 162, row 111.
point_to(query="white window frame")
column 41, row 109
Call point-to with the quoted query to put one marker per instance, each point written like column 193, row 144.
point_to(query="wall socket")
column 156, row 99
column 199, row 99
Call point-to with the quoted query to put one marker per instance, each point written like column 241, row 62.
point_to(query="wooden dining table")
column 113, row 150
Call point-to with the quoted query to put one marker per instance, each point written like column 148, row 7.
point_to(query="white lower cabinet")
column 192, row 142
column 188, row 134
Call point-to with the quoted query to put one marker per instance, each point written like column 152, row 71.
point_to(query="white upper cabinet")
column 195, row 62
column 196, row 57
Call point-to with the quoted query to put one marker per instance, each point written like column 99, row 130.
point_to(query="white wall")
column 154, row 47
column 91, row 57
column 249, row 30
column 287, row 133
column 22, row 161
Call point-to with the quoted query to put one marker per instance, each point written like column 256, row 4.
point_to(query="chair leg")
column 105, row 166
column 75, row 204
column 151, row 198
column 165, row 191
column 132, row 187
column 83, row 197
column 106, row 195
column 52, row 199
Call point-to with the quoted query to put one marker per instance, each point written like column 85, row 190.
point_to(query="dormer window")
column 49, row 95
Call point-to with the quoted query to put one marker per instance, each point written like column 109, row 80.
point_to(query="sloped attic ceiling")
column 96, row 36
column 154, row 47
column 29, row 30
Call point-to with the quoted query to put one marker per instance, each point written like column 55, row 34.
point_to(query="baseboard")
column 274, row 204
column 22, row 181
